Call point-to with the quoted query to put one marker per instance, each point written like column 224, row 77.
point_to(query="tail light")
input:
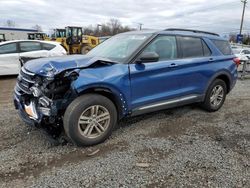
column 236, row 61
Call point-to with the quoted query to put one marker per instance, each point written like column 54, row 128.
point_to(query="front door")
column 158, row 81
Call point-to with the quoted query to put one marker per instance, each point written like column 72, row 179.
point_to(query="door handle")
column 172, row 65
column 211, row 60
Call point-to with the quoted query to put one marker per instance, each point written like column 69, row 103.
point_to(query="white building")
column 16, row 33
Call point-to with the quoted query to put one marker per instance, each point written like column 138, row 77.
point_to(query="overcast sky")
column 221, row 16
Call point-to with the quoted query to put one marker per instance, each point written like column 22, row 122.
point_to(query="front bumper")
column 23, row 115
column 23, row 97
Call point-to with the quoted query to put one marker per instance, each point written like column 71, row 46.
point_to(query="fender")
column 119, row 97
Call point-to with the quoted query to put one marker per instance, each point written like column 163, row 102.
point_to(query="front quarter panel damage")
column 114, row 77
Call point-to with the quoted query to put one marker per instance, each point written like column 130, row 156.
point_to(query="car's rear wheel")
column 215, row 96
column 90, row 119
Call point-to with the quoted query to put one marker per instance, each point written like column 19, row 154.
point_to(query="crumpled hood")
column 58, row 64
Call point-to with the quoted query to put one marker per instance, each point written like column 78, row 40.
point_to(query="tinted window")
column 8, row 48
column 206, row 50
column 191, row 47
column 223, row 46
column 164, row 46
column 30, row 46
column 47, row 46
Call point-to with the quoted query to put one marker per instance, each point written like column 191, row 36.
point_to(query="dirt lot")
column 173, row 148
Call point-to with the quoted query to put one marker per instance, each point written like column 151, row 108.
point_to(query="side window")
column 223, row 46
column 206, row 50
column 8, row 48
column 30, row 46
column 46, row 46
column 246, row 52
column 164, row 46
column 191, row 47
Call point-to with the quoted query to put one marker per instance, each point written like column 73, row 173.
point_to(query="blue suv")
column 129, row 74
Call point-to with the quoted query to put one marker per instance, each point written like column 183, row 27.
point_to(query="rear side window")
column 8, row 48
column 30, row 46
column 223, row 46
column 47, row 46
column 191, row 47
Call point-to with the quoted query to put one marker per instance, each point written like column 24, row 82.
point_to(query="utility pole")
column 140, row 26
column 243, row 13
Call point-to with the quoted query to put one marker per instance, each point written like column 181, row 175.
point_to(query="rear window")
column 223, row 46
column 193, row 47
column 47, row 46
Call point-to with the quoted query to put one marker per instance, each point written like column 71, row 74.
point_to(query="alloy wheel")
column 217, row 96
column 94, row 121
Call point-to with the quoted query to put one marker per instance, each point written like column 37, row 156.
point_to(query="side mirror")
column 147, row 57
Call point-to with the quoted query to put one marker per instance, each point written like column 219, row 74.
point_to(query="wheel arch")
column 115, row 96
column 223, row 75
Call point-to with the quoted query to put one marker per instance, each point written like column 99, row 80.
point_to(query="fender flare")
column 120, row 100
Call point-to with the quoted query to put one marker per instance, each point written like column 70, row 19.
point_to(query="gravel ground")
column 181, row 147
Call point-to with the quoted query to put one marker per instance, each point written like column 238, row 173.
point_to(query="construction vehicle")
column 2, row 37
column 73, row 40
column 59, row 35
column 38, row 36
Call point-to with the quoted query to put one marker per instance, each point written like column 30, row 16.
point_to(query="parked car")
column 130, row 74
column 242, row 53
column 11, row 51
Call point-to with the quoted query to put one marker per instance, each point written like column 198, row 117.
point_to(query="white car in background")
column 12, row 51
column 242, row 53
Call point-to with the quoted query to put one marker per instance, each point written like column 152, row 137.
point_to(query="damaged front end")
column 42, row 100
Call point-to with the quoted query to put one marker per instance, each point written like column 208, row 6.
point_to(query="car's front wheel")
column 90, row 119
column 215, row 96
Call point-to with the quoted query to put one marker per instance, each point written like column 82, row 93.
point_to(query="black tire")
column 85, row 49
column 75, row 110
column 207, row 105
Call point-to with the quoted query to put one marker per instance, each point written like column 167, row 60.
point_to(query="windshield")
column 120, row 47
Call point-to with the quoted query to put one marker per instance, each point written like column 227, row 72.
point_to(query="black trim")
column 192, row 30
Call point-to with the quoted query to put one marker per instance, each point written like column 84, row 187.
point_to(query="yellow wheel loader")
column 72, row 39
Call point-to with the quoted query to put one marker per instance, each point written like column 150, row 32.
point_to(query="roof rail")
column 191, row 30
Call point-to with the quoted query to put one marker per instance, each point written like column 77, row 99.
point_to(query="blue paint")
column 137, row 85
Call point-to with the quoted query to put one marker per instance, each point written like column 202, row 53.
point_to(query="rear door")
column 9, row 59
column 195, row 64
column 32, row 49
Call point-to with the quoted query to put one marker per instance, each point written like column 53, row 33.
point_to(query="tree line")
column 110, row 28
